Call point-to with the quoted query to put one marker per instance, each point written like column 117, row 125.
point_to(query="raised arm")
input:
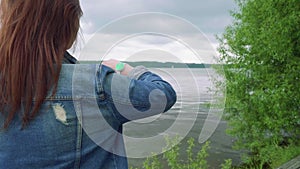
column 137, row 93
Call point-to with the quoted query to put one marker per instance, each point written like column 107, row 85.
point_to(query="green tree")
column 261, row 50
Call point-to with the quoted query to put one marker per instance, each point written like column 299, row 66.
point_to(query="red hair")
column 34, row 34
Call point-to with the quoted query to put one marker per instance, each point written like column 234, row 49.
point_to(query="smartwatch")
column 120, row 67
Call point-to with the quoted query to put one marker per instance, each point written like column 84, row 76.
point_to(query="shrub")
column 261, row 52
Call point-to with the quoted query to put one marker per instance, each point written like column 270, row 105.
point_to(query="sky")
column 152, row 30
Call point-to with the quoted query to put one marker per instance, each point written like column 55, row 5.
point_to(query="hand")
column 112, row 64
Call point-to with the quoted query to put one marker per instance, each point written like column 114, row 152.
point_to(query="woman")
column 45, row 97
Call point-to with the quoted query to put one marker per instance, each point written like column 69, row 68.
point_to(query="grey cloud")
column 211, row 16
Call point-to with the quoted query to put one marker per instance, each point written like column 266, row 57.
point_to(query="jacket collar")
column 69, row 59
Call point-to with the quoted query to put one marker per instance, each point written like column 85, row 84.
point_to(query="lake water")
column 187, row 118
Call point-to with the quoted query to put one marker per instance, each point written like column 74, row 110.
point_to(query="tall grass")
column 170, row 159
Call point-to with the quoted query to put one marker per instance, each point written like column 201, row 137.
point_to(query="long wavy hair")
column 34, row 34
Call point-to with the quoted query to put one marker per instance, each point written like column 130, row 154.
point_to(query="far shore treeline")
column 158, row 64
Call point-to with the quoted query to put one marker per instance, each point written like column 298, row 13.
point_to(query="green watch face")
column 120, row 66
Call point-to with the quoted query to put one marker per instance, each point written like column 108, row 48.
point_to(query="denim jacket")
column 81, row 125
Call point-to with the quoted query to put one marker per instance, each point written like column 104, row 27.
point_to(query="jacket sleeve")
column 139, row 95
